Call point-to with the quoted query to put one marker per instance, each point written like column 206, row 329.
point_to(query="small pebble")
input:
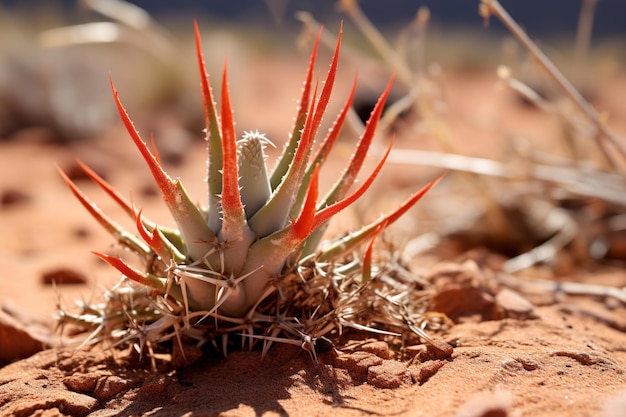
column 61, row 276
column 389, row 374
column 514, row 305
column 486, row 404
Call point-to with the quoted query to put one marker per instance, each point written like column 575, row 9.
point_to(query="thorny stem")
column 493, row 7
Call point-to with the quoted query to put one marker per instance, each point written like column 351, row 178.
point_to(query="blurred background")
column 48, row 73
column 537, row 16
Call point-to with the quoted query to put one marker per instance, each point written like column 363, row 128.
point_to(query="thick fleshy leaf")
column 235, row 233
column 214, row 140
column 366, row 275
column 131, row 273
column 118, row 232
column 325, row 147
column 198, row 237
column 342, row 186
column 231, row 198
column 352, row 240
column 303, row 105
column 267, row 256
column 273, row 215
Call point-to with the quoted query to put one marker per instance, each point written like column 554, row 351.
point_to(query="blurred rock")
column 22, row 335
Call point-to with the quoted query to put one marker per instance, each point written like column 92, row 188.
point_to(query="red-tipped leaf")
column 231, row 198
column 354, row 239
column 340, row 189
column 108, row 188
column 199, row 238
column 152, row 239
column 330, row 139
column 105, row 221
column 164, row 182
column 214, row 139
column 303, row 224
column 367, row 256
column 312, row 125
column 327, row 212
column 130, row 272
column 235, row 232
column 303, row 106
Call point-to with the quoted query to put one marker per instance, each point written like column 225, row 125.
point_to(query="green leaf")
column 199, row 238
column 214, row 141
column 253, row 179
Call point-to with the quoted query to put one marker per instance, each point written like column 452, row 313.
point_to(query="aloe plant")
column 244, row 263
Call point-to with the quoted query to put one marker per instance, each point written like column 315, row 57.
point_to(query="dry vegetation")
column 522, row 241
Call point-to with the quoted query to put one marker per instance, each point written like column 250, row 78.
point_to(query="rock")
column 389, row 374
column 109, row 386
column 357, row 363
column 63, row 276
column 378, row 348
column 486, row 404
column 513, row 305
column 456, row 301
column 21, row 336
column 615, row 406
column 420, row 373
column 34, row 385
column 13, row 197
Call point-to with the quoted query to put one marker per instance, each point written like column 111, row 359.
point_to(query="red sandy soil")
column 559, row 356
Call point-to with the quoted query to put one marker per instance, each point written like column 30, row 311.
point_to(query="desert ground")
column 523, row 343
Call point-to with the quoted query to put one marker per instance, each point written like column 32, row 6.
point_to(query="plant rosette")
column 249, row 264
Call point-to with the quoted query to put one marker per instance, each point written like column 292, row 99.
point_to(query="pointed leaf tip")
column 231, row 198
column 213, row 138
column 128, row 271
column 303, row 111
column 327, row 212
column 411, row 201
column 150, row 238
column 303, row 224
column 164, row 182
column 367, row 257
column 108, row 188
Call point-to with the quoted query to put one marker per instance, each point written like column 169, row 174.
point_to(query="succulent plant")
column 249, row 263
